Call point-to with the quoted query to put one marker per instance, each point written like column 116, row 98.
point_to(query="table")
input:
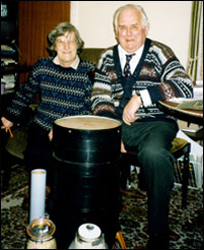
column 190, row 116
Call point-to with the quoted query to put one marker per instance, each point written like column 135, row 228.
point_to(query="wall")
column 169, row 23
column 36, row 20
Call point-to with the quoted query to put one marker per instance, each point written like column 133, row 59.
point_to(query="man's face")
column 130, row 33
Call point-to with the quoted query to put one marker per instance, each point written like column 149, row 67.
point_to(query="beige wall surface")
column 169, row 23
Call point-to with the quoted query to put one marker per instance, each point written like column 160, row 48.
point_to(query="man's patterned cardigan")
column 158, row 76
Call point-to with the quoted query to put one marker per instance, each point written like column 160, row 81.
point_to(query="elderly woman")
column 63, row 84
column 64, row 87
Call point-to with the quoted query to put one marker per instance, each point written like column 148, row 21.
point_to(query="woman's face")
column 66, row 48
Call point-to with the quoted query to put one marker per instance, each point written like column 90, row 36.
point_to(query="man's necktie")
column 126, row 71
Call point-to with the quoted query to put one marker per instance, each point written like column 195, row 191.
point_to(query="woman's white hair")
column 145, row 20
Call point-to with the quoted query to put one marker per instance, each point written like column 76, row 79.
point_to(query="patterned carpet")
column 186, row 225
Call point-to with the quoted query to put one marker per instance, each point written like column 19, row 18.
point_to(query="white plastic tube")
column 37, row 194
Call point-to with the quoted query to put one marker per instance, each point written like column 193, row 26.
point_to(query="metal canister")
column 41, row 234
column 88, row 236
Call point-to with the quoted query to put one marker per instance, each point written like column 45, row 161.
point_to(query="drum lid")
column 88, row 122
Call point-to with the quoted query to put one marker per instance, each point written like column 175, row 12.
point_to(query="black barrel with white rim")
column 85, row 175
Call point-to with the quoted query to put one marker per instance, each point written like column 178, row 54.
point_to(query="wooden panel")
column 36, row 20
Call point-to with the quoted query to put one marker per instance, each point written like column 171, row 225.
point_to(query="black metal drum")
column 86, row 159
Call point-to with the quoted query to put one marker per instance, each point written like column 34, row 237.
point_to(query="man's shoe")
column 158, row 241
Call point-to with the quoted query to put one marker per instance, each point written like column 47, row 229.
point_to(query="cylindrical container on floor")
column 88, row 236
column 85, row 187
column 41, row 234
column 37, row 193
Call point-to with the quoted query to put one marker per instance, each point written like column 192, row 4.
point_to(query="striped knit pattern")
column 161, row 74
column 63, row 92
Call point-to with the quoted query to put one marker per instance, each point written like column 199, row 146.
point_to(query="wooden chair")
column 180, row 147
column 16, row 145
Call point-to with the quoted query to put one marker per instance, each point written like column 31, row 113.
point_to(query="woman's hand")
column 6, row 124
column 50, row 135
column 130, row 110
column 123, row 150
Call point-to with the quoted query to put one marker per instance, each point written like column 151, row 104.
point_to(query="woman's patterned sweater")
column 62, row 91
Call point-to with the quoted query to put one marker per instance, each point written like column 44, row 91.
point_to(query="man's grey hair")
column 145, row 20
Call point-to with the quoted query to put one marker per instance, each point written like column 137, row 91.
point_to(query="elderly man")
column 132, row 77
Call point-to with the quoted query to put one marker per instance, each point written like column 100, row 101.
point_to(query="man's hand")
column 130, row 110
